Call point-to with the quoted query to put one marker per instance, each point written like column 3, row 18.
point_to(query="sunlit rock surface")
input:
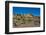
column 26, row 20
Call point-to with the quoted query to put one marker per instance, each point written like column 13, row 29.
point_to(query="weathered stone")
column 27, row 20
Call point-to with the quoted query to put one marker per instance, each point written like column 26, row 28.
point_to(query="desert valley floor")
column 27, row 20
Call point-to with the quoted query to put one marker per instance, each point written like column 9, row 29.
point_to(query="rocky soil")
column 27, row 20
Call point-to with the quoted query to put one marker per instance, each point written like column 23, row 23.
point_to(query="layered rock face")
column 26, row 20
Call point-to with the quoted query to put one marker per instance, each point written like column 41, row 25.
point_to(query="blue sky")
column 26, row 10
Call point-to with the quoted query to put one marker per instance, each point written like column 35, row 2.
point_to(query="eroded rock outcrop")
column 27, row 20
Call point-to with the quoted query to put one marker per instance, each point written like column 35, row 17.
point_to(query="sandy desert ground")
column 28, row 20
